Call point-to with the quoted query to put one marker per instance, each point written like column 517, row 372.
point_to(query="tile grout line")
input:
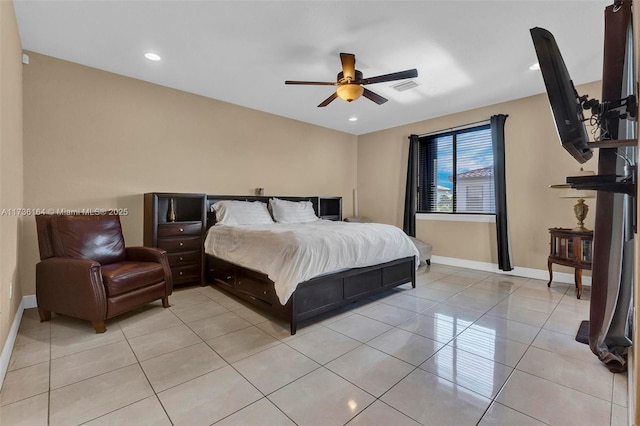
column 493, row 400
column 155, row 394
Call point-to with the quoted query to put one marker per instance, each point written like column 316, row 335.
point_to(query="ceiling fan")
column 350, row 82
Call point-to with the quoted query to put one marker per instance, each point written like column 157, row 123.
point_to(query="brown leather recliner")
column 86, row 272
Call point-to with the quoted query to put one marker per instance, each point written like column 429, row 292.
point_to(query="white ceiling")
column 468, row 53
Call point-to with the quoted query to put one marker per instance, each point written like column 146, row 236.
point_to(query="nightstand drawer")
column 177, row 245
column 179, row 228
column 186, row 258
column 186, row 273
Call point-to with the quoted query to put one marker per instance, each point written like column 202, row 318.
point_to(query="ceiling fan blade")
column 314, row 83
column 374, row 96
column 390, row 77
column 328, row 100
column 348, row 65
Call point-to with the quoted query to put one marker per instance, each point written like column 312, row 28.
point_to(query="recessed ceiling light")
column 353, row 118
column 535, row 67
column 152, row 56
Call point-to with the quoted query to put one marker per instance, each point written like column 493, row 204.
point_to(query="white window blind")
column 455, row 172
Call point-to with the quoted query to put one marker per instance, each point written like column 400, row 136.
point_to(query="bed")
column 304, row 268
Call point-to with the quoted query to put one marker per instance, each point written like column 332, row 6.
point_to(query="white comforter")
column 293, row 253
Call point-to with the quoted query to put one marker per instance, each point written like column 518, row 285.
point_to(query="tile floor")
column 462, row 348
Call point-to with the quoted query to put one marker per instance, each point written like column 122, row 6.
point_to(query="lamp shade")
column 568, row 192
column 577, row 193
column 349, row 92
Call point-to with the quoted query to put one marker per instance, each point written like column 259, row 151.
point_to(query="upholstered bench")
column 423, row 248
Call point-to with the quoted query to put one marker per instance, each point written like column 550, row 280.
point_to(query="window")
column 455, row 172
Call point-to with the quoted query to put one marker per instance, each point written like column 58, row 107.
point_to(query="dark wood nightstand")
column 176, row 223
column 570, row 248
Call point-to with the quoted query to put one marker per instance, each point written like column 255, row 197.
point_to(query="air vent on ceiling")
column 405, row 85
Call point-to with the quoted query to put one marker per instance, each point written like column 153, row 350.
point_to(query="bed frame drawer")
column 221, row 271
column 256, row 288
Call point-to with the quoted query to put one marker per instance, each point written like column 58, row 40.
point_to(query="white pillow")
column 231, row 212
column 292, row 211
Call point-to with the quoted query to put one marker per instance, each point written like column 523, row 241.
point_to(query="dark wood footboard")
column 315, row 296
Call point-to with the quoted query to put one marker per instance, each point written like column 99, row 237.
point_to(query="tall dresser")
column 176, row 223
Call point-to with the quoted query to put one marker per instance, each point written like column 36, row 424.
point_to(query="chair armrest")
column 145, row 254
column 152, row 254
column 72, row 287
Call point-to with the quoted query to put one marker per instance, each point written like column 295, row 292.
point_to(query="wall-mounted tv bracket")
column 625, row 108
column 608, row 183
column 601, row 113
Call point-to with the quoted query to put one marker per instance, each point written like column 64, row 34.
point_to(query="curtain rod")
column 488, row 120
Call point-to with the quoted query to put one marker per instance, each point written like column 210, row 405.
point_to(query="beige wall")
column 534, row 157
column 94, row 139
column 11, row 175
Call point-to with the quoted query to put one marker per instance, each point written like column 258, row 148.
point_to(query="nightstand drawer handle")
column 181, row 272
column 181, row 229
column 181, row 244
column 181, row 259
column 229, row 277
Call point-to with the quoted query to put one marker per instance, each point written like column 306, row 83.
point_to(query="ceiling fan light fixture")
column 349, row 92
column 350, row 82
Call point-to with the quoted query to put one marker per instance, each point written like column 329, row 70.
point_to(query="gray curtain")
column 500, row 187
column 410, row 196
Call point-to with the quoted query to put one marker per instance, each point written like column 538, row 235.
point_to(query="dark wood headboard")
column 212, row 199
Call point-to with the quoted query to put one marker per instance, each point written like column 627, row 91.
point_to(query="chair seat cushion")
column 122, row 277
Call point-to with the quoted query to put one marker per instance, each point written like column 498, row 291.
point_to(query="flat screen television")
column 564, row 100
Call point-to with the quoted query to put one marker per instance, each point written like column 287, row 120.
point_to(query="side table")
column 570, row 248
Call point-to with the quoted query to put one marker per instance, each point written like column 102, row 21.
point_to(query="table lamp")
column 580, row 208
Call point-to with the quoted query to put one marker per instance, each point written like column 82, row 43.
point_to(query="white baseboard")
column 538, row 274
column 27, row 302
column 30, row 301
